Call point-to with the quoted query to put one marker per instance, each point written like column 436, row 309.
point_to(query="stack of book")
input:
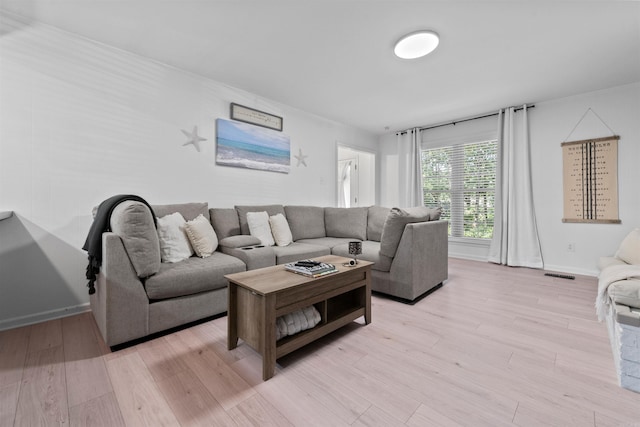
column 310, row 268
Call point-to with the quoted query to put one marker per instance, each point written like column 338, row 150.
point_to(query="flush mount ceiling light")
column 416, row 45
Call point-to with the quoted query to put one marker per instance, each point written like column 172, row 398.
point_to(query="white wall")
column 389, row 178
column 367, row 179
column 81, row 122
column 550, row 124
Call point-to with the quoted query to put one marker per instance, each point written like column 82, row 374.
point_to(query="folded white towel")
column 297, row 321
column 312, row 315
column 281, row 328
column 293, row 323
column 304, row 323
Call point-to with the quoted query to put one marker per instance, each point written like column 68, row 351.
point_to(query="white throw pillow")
column 259, row 227
column 629, row 250
column 174, row 243
column 280, row 230
column 202, row 236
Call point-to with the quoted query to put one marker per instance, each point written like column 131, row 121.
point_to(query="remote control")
column 307, row 263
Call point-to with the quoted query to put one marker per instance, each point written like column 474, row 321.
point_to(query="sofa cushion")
column 174, row 242
column 306, row 222
column 225, row 222
column 242, row 214
column 259, row 227
column 202, row 236
column 626, row 292
column 297, row 251
column 191, row 276
column 188, row 211
column 433, row 214
column 629, row 250
column 394, row 227
column 133, row 222
column 376, row 216
column 280, row 230
column 346, row 222
column 370, row 252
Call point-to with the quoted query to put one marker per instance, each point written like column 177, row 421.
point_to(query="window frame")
column 452, row 138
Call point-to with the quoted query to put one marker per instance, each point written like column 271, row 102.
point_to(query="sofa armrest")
column 421, row 261
column 239, row 241
column 248, row 249
column 253, row 256
column 120, row 304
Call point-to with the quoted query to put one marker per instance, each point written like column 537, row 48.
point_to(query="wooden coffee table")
column 258, row 297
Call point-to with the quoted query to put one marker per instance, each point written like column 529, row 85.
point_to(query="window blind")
column 461, row 179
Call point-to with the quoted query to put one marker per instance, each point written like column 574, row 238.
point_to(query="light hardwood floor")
column 494, row 346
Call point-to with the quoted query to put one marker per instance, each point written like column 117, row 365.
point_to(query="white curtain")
column 344, row 188
column 515, row 233
column 409, row 169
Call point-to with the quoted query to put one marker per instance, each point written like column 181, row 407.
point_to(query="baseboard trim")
column 30, row 319
column 571, row 270
column 469, row 257
column 547, row 267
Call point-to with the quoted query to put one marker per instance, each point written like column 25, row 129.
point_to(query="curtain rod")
column 482, row 116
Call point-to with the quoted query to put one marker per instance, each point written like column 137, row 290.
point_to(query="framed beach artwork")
column 252, row 147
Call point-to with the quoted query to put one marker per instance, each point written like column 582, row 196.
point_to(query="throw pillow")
column 202, row 236
column 174, row 242
column 244, row 209
column 259, row 227
column 629, row 250
column 280, row 230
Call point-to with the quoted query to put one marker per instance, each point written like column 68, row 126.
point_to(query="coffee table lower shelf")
column 258, row 297
column 288, row 344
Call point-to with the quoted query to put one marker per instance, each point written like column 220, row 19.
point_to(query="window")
column 462, row 179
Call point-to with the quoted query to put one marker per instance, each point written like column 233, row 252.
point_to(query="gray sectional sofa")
column 137, row 295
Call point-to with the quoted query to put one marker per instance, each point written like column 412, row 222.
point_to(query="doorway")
column 356, row 177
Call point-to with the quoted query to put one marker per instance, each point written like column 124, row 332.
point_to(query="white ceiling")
column 334, row 58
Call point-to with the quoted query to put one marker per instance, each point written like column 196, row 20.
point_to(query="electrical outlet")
column 571, row 247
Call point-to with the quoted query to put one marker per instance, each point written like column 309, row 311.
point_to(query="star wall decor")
column 193, row 138
column 300, row 157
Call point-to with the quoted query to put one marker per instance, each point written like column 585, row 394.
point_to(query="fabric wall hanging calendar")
column 590, row 177
column 590, row 180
